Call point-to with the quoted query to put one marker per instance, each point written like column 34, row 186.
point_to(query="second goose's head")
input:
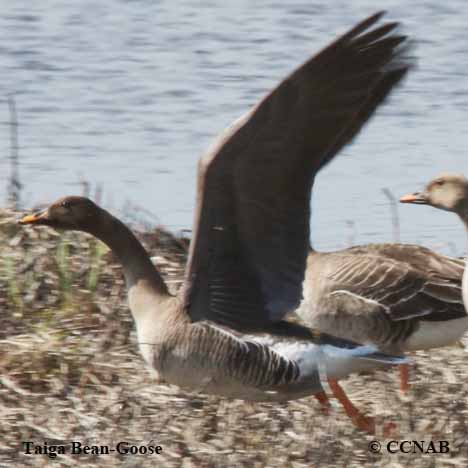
column 68, row 213
column 447, row 192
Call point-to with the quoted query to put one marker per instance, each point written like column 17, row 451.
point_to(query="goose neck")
column 135, row 261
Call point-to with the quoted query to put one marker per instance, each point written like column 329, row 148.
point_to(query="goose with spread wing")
column 226, row 332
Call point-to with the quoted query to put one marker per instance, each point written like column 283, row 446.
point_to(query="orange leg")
column 364, row 423
column 404, row 376
column 324, row 402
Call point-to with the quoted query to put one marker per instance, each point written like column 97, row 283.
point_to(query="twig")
column 11, row 385
column 85, row 187
column 394, row 212
column 98, row 194
column 14, row 185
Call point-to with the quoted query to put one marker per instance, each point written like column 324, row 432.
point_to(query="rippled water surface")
column 129, row 94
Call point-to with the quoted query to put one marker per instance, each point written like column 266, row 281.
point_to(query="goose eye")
column 66, row 204
column 439, row 183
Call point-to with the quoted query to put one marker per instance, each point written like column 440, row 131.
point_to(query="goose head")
column 68, row 213
column 447, row 192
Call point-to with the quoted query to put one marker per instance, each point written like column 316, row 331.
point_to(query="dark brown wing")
column 251, row 231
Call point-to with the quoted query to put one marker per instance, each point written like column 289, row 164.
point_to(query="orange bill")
column 417, row 197
column 31, row 219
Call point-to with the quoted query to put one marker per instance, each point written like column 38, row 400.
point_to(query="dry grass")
column 70, row 371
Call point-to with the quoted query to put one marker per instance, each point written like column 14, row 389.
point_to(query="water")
column 129, row 94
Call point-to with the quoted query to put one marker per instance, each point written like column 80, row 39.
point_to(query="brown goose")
column 225, row 333
column 399, row 297
column 447, row 192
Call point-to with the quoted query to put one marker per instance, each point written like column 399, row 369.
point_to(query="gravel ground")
column 70, row 371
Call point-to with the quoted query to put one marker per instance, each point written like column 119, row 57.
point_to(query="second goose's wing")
column 402, row 291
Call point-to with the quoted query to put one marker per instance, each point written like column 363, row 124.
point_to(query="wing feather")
column 404, row 291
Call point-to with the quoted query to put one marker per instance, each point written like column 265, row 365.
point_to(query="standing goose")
column 225, row 332
column 398, row 297
column 447, row 192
